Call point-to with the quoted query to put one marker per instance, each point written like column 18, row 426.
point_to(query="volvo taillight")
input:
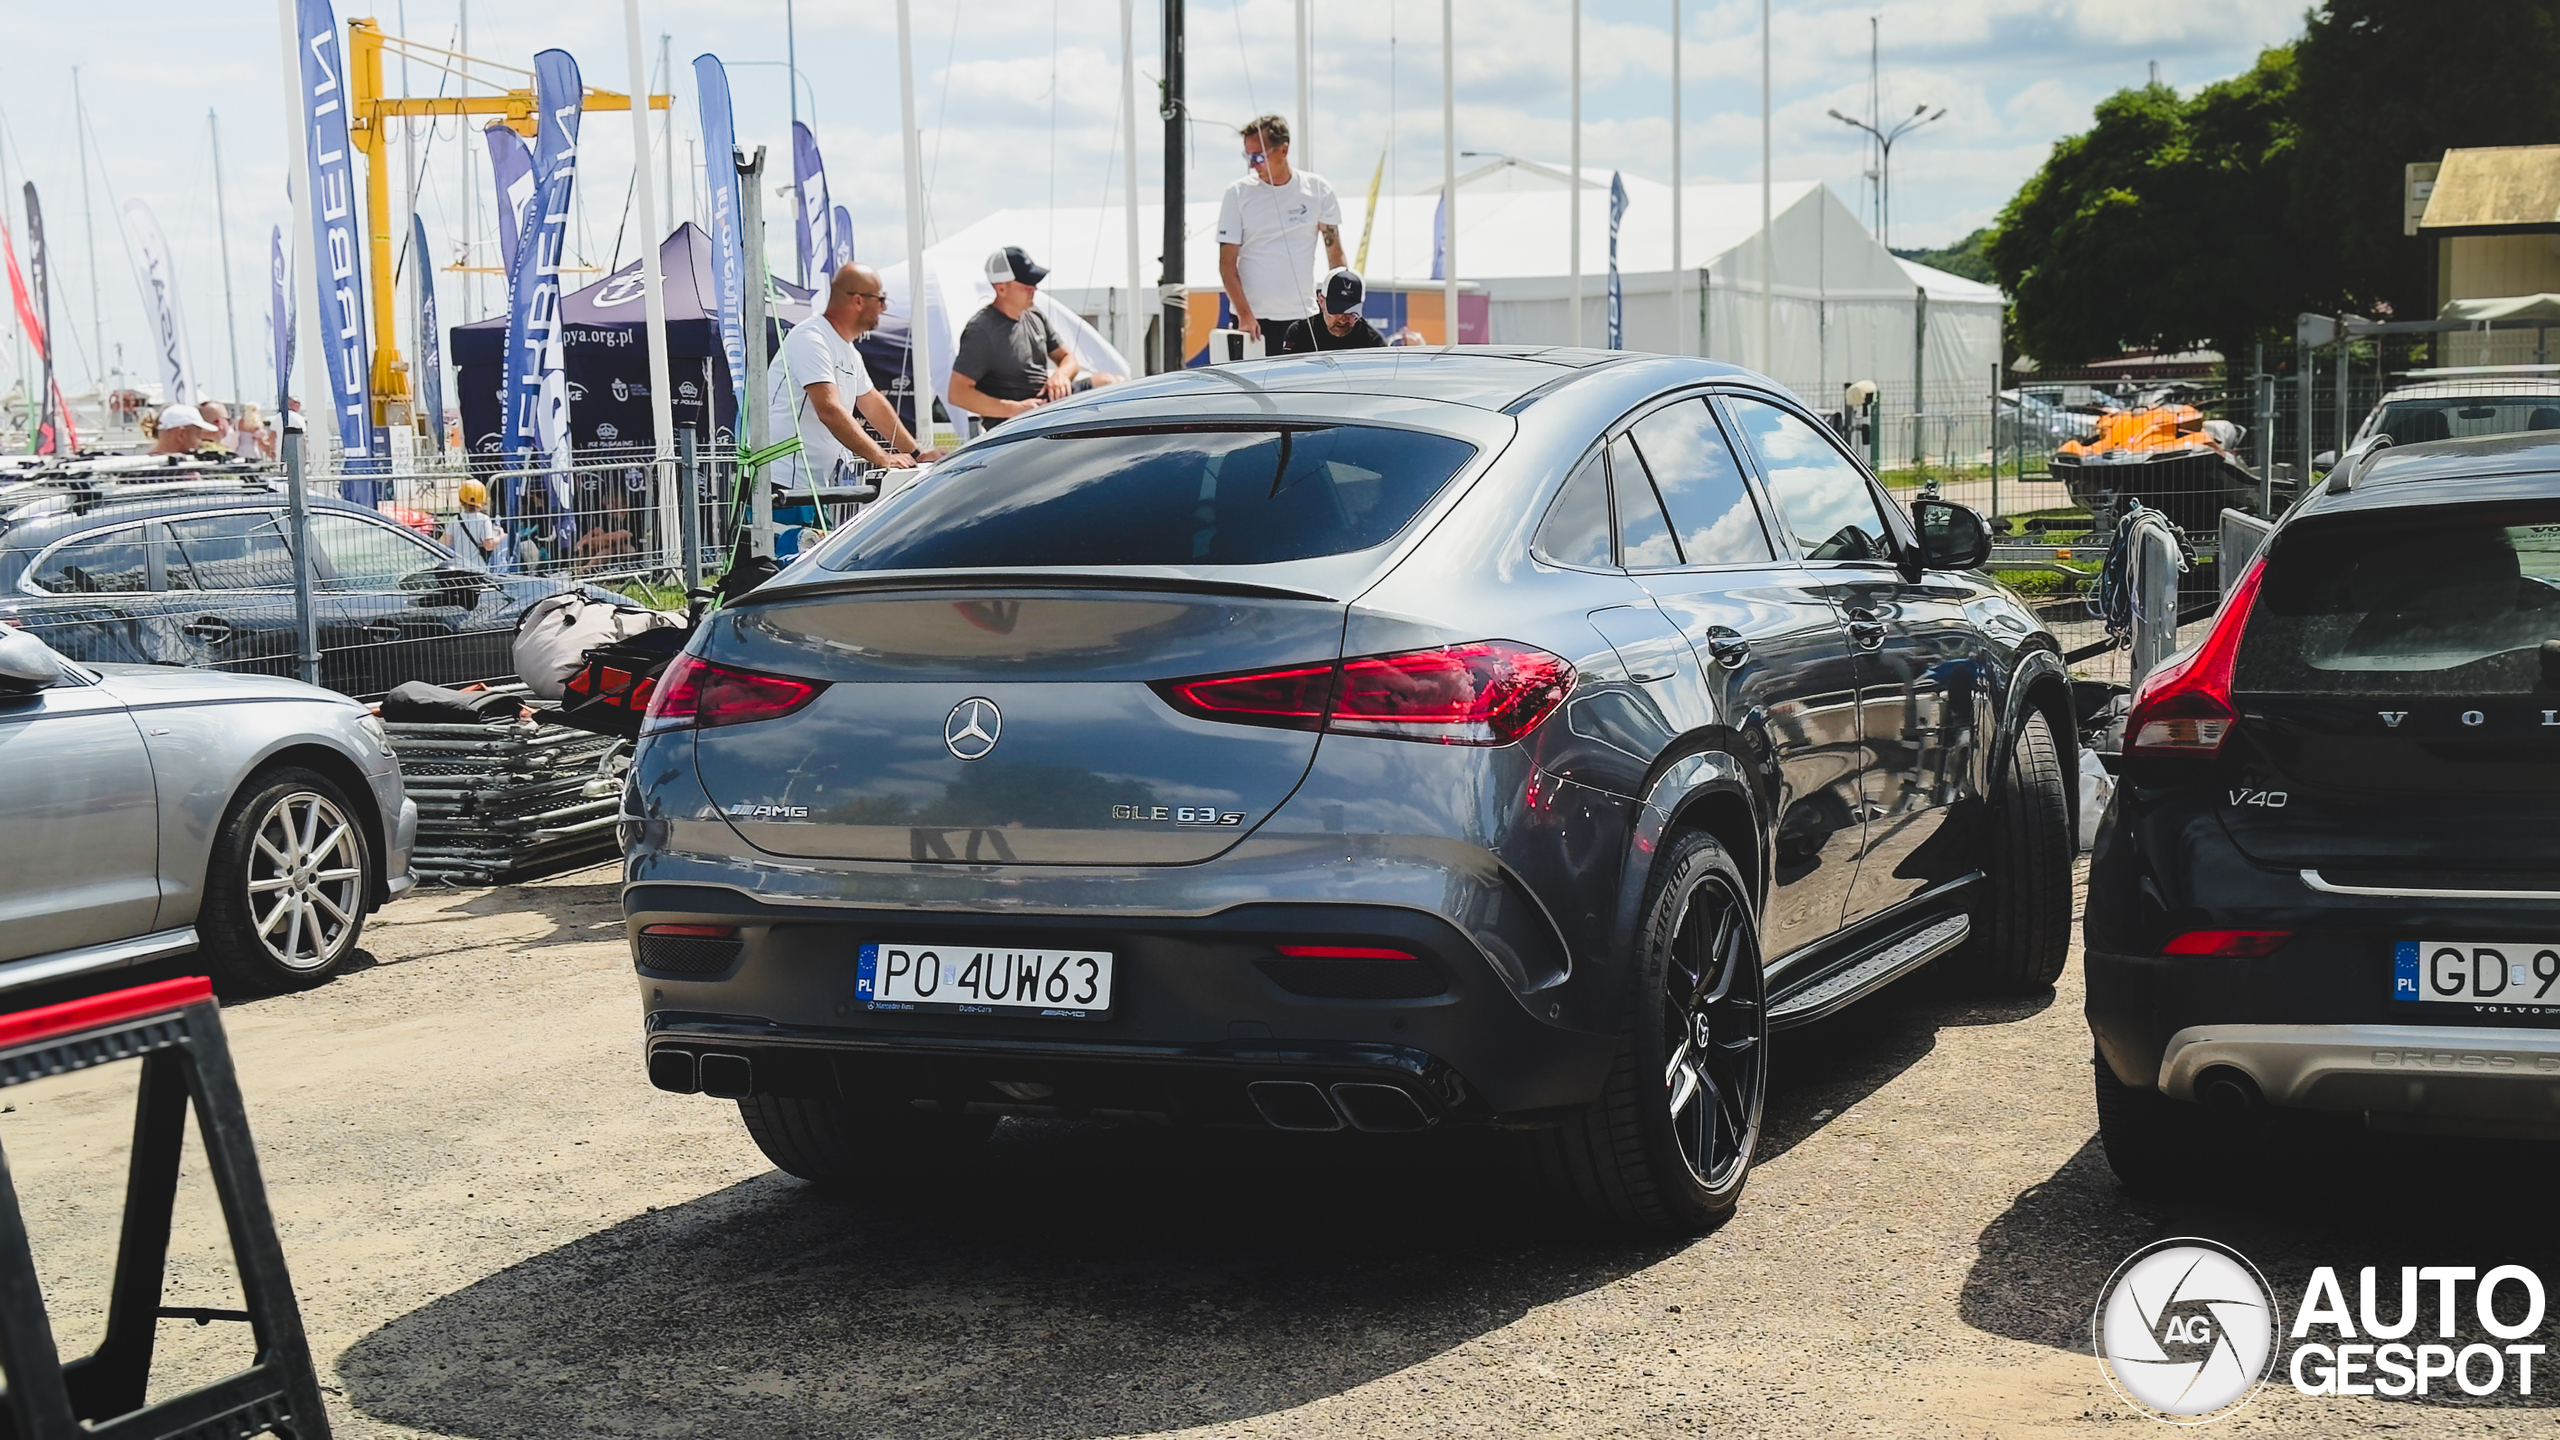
column 2184, row 707
column 1487, row 692
column 696, row 694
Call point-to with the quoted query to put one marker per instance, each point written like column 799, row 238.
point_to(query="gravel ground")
column 498, row 1229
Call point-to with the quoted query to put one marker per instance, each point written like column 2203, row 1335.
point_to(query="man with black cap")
column 1340, row 325
column 1009, row 361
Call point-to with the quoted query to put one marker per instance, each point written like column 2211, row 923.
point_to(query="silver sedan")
column 147, row 811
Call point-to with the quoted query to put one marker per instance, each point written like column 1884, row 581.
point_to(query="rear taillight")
column 2228, row 944
column 696, row 694
column 1490, row 692
column 2184, row 707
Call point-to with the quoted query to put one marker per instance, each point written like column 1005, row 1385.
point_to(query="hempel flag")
column 158, row 281
column 537, row 418
column 728, row 249
column 338, row 249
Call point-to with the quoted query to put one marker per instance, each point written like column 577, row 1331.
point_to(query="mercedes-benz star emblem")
column 973, row 729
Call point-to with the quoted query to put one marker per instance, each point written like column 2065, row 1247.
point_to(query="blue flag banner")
column 537, row 381
column 280, row 320
column 844, row 241
column 1617, row 298
column 430, row 349
column 511, row 171
column 728, row 245
column 338, row 248
column 813, row 223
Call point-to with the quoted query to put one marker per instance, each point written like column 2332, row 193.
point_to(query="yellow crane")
column 368, row 110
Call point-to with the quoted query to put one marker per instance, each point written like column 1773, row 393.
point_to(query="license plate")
column 947, row 979
column 2518, row 977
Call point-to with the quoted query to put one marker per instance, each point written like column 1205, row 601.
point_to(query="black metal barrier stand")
column 175, row 1030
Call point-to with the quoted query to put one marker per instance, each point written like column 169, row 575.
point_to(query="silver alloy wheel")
column 306, row 881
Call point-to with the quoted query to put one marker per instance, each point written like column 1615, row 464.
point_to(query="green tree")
column 1963, row 258
column 2167, row 225
column 2383, row 83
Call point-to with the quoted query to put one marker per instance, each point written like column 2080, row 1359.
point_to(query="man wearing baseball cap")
column 182, row 431
column 1009, row 361
column 1339, row 326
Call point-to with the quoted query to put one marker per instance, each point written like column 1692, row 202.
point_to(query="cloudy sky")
column 1018, row 105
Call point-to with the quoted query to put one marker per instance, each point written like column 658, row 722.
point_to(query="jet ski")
column 2168, row 456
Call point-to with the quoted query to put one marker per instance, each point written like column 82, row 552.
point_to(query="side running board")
column 1846, row 987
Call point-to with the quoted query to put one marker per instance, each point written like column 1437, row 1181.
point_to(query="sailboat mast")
column 222, row 233
column 89, row 221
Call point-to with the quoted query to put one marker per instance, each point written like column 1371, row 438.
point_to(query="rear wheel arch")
column 1728, row 817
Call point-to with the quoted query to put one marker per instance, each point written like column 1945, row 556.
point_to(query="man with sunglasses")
column 821, row 381
column 1272, row 224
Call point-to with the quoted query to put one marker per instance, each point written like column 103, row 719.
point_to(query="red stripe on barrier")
column 100, row 1011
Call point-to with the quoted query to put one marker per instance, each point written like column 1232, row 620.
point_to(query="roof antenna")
column 2358, row 460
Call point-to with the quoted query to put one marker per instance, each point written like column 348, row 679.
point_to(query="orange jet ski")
column 2170, row 457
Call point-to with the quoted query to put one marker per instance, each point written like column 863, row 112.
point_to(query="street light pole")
column 1884, row 139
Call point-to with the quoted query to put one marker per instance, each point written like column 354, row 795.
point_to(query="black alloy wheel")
column 1716, row 1035
column 1668, row 1143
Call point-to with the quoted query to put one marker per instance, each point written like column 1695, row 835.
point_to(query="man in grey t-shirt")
column 1009, row 360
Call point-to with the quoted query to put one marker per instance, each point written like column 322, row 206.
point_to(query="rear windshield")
column 2409, row 421
column 2459, row 604
column 1200, row 496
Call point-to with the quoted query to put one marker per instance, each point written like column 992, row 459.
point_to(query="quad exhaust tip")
column 1301, row 1105
column 727, row 1077
column 674, row 1070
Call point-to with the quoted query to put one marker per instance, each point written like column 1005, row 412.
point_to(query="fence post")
column 1995, row 439
column 2266, row 440
column 689, row 510
column 306, row 627
column 2306, row 359
column 2346, row 361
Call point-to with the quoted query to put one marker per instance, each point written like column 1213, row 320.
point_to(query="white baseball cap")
column 183, row 414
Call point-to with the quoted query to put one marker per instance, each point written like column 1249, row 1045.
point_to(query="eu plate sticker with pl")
column 2404, row 971
column 868, row 967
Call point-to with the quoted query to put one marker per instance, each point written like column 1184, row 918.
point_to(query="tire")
column 1668, row 1145
column 2152, row 1141
column 260, row 876
column 2022, row 927
column 838, row 1146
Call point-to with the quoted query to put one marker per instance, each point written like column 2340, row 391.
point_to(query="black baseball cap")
column 1010, row 263
column 1343, row 291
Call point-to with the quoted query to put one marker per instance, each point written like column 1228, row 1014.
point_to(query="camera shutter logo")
column 974, row 726
column 2186, row 1330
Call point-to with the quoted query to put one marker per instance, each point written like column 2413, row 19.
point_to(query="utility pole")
column 222, row 233
column 1768, row 242
column 1176, row 307
column 667, row 127
column 1573, row 222
column 1679, row 283
column 1306, row 92
column 919, row 334
column 470, row 211
column 89, row 221
column 1449, row 331
column 1133, row 309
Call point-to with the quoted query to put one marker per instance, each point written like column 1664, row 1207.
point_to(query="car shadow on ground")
column 1075, row 1280
column 2290, row 1196
column 1821, row 1070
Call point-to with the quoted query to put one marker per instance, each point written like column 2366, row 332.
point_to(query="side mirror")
column 27, row 664
column 447, row 585
column 1952, row 536
column 2325, row 460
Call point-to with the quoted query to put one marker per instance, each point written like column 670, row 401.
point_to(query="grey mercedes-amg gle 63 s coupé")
column 1375, row 741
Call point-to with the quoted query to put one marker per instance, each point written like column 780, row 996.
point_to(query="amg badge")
column 743, row 811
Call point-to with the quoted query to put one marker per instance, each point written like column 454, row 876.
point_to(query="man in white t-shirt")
column 1272, row 226
column 820, row 380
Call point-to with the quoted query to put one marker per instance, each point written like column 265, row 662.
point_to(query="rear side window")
column 244, row 550
column 1576, row 531
column 112, row 563
column 1644, row 536
column 2411, row 422
column 2416, row 605
column 1701, row 485
column 1822, row 492
column 1222, row 496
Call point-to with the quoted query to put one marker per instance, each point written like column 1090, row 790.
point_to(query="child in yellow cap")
column 473, row 536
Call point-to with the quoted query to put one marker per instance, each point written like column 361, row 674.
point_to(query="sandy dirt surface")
column 497, row 1229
